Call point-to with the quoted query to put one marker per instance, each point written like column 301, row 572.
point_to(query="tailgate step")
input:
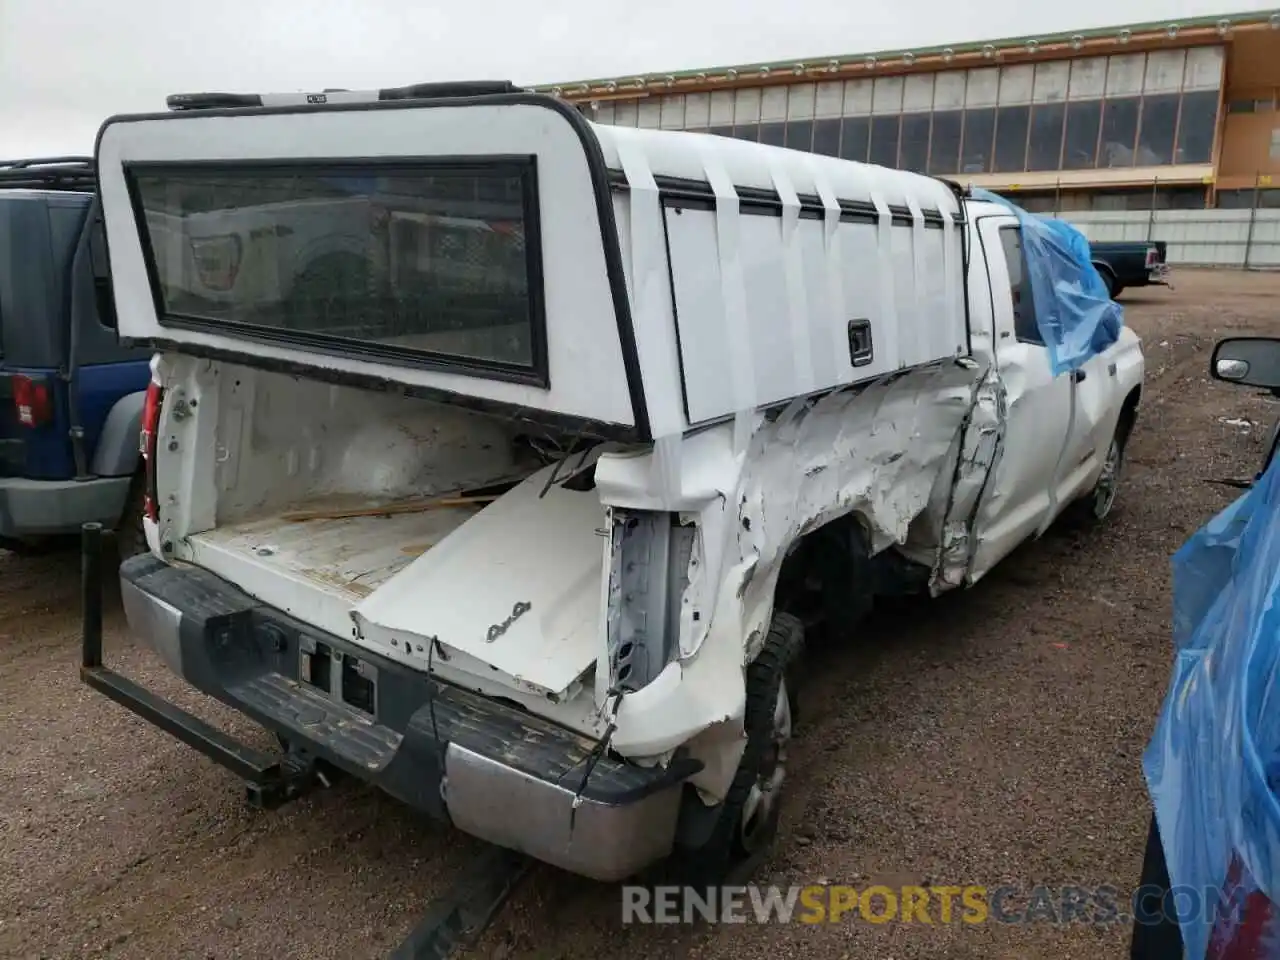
column 340, row 728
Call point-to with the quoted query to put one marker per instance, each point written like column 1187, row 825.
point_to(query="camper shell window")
column 434, row 263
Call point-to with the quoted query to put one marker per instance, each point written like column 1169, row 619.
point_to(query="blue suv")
column 71, row 395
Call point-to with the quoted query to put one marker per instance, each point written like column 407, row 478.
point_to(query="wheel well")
column 1128, row 413
column 1104, row 268
column 831, row 575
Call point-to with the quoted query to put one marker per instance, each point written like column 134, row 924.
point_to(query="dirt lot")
column 994, row 738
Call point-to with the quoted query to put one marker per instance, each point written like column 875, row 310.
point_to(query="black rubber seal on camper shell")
column 759, row 201
column 604, row 210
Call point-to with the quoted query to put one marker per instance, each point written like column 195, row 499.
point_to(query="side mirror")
column 1248, row 361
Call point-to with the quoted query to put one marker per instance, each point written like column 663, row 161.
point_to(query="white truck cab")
column 502, row 459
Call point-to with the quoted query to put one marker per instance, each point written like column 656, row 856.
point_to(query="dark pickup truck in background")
column 1125, row 264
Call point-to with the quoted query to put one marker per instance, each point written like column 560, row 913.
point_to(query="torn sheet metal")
column 944, row 537
column 878, row 452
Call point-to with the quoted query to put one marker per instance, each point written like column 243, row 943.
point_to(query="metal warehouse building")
column 1147, row 116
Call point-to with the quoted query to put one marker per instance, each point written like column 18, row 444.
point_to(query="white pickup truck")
column 528, row 532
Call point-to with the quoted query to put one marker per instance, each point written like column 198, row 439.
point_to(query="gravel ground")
column 992, row 736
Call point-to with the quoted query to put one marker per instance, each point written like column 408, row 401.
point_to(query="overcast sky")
column 65, row 65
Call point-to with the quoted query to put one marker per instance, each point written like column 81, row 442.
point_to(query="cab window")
column 1024, row 308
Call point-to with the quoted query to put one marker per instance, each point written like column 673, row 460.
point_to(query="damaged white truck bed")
column 502, row 459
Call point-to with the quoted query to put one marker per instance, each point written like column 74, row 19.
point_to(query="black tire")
column 131, row 538
column 1095, row 506
column 1109, row 279
column 1156, row 935
column 747, row 823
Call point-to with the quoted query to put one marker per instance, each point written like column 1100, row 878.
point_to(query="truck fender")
column 117, row 452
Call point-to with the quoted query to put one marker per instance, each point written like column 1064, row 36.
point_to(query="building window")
column 1044, row 149
column 855, row 135
column 1261, row 105
column 913, row 153
column 826, row 137
column 1036, row 202
column 774, row 134
column 1196, row 126
column 1080, row 146
column 1119, row 131
column 944, row 148
column 800, row 135
column 979, row 134
column 1012, row 124
column 1244, row 199
column 884, row 140
column 1104, row 112
column 1156, row 130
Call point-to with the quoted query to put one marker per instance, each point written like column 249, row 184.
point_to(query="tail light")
column 33, row 401
column 1153, row 257
column 147, row 447
column 217, row 260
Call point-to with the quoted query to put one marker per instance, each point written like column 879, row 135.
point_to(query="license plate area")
column 359, row 684
column 342, row 677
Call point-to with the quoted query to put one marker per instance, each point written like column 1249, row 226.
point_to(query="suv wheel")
column 131, row 538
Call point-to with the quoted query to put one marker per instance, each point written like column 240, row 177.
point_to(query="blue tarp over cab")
column 1076, row 316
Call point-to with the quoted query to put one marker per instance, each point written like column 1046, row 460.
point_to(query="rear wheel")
column 747, row 823
column 1113, row 285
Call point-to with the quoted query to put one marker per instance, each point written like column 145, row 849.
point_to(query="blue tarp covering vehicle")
column 1074, row 309
column 1213, row 764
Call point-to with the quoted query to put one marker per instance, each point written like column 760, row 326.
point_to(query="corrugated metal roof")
column 634, row 84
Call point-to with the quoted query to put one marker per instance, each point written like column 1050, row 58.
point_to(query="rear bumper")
column 493, row 770
column 1158, row 275
column 35, row 508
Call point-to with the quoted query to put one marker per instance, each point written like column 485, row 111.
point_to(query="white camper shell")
column 494, row 454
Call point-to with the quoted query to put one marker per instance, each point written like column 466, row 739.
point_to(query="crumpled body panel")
column 755, row 486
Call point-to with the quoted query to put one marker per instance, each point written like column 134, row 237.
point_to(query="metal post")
column 1253, row 216
column 1151, row 215
column 91, row 595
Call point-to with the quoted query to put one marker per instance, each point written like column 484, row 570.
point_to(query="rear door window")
column 101, row 274
column 1025, row 327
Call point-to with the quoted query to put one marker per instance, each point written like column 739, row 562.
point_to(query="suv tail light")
column 1153, row 257
column 32, row 399
column 147, row 447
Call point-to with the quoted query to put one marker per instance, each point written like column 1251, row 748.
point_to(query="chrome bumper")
column 493, row 771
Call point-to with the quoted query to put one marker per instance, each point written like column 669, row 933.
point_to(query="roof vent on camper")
column 211, row 101
column 451, row 88
column 48, row 173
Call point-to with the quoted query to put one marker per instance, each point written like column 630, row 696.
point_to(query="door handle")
column 1077, row 375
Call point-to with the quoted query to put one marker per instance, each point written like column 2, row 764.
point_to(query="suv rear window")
column 431, row 263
